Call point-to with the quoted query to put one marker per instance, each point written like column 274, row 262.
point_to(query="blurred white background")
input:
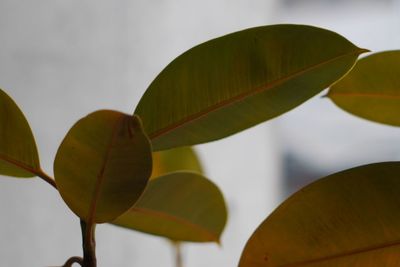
column 60, row 60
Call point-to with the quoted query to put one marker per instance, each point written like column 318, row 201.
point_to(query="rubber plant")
column 349, row 218
column 179, row 215
column 179, row 204
column 214, row 90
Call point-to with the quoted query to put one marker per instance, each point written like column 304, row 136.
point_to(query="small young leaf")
column 350, row 218
column 18, row 152
column 234, row 82
column 181, row 206
column 103, row 165
column 177, row 159
column 372, row 89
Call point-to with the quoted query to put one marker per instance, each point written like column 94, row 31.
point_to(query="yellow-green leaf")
column 182, row 206
column 347, row 219
column 177, row 159
column 372, row 89
column 103, row 165
column 236, row 81
column 18, row 152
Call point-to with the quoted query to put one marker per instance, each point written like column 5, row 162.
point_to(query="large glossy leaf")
column 177, row 159
column 18, row 152
column 236, row 81
column 372, row 89
column 347, row 219
column 103, row 165
column 182, row 206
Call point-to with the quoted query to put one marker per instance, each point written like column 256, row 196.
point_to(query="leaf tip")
column 363, row 50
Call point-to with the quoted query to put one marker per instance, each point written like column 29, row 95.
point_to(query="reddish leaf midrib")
column 344, row 254
column 19, row 164
column 100, row 177
column 245, row 95
column 36, row 172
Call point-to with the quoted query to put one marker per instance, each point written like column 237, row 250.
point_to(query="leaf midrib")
column 245, row 95
column 344, row 254
column 146, row 211
column 19, row 164
column 100, row 176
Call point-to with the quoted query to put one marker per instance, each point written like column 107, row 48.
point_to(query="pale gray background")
column 60, row 60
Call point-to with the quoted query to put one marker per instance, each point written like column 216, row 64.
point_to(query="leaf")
column 372, row 89
column 103, row 165
column 231, row 83
column 18, row 152
column 350, row 218
column 177, row 159
column 182, row 206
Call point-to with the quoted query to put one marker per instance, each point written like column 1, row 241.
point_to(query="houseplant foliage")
column 179, row 204
column 183, row 217
column 218, row 88
column 18, row 153
column 177, row 159
column 102, row 166
column 236, row 81
column 371, row 89
column 348, row 218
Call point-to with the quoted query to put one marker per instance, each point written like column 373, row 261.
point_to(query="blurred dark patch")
column 297, row 173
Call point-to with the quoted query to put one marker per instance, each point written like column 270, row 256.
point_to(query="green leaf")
column 182, row 206
column 18, row 152
column 350, row 218
column 372, row 89
column 236, row 81
column 103, row 165
column 177, row 159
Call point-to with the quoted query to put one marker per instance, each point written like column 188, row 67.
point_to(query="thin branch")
column 73, row 260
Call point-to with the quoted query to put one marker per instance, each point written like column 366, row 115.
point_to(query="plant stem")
column 88, row 235
column 88, row 244
column 46, row 178
column 178, row 254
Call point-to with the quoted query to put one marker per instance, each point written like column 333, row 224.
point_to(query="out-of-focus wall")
column 60, row 60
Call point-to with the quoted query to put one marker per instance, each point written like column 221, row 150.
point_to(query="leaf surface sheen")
column 177, row 159
column 346, row 219
column 182, row 206
column 103, row 165
column 231, row 83
column 18, row 152
column 372, row 89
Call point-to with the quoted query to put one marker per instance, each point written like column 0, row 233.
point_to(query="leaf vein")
column 245, row 95
column 344, row 254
